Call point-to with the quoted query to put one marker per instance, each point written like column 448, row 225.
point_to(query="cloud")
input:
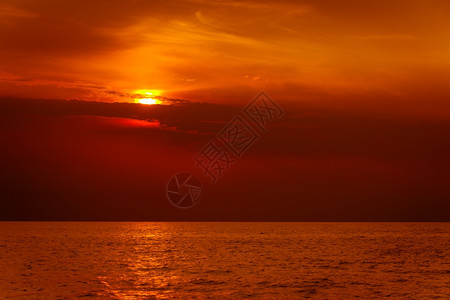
column 9, row 11
column 90, row 160
column 379, row 37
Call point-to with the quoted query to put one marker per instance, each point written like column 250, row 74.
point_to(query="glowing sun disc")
column 147, row 101
column 146, row 96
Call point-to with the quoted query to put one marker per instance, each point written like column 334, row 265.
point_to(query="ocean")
column 186, row 260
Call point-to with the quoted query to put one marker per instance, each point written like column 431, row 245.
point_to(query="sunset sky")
column 365, row 86
column 222, row 50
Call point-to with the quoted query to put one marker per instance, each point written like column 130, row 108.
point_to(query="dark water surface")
column 40, row 260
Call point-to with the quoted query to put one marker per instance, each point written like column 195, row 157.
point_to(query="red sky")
column 364, row 86
column 218, row 50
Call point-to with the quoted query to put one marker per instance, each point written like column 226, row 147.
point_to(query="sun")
column 145, row 97
column 148, row 101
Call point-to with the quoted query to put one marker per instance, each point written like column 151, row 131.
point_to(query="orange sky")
column 364, row 84
column 225, row 51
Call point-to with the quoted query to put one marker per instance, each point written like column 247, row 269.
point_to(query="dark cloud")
column 110, row 161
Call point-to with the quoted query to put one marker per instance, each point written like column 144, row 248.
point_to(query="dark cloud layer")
column 74, row 160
